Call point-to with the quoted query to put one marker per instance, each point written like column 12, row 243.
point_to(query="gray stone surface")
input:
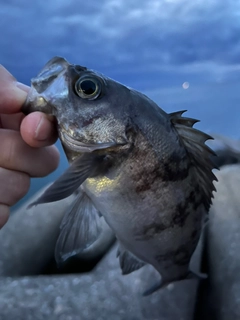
column 227, row 150
column 27, row 241
column 102, row 294
column 223, row 250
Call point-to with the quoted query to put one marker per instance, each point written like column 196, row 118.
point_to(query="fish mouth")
column 78, row 146
column 35, row 102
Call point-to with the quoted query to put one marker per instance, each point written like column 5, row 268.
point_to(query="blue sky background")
column 153, row 46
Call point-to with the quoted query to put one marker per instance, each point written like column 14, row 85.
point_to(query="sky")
column 153, row 46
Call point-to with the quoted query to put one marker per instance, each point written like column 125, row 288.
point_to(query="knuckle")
column 8, row 149
column 13, row 186
column 9, row 152
column 22, row 185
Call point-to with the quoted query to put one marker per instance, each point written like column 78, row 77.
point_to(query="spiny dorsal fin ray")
column 177, row 114
column 176, row 117
column 200, row 154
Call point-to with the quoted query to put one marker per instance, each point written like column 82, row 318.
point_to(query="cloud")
column 116, row 35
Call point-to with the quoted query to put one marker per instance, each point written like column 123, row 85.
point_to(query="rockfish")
column 148, row 173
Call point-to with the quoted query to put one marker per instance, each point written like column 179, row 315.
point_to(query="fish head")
column 90, row 108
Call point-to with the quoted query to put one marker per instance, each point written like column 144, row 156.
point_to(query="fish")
column 147, row 173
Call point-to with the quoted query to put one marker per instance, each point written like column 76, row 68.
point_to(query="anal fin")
column 128, row 262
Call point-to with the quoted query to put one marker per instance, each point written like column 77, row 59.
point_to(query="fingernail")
column 40, row 134
column 18, row 92
column 22, row 86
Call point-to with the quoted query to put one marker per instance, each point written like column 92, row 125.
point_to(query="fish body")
column 146, row 172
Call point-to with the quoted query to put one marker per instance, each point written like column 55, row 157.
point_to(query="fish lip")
column 35, row 102
column 78, row 146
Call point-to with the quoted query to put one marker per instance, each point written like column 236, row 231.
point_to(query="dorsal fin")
column 200, row 154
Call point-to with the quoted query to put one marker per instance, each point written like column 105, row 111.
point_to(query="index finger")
column 12, row 95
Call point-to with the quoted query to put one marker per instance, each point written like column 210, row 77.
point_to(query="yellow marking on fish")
column 103, row 184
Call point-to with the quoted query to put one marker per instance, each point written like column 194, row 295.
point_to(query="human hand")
column 26, row 148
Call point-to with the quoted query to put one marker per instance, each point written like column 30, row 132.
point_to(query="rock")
column 27, row 242
column 99, row 295
column 223, row 249
column 227, row 150
column 28, row 239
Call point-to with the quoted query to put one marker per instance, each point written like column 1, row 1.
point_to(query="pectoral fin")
column 82, row 168
column 128, row 262
column 80, row 228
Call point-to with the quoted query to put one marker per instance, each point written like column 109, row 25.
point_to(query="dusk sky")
column 153, row 46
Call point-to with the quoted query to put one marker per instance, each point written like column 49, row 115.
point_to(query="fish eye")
column 88, row 87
